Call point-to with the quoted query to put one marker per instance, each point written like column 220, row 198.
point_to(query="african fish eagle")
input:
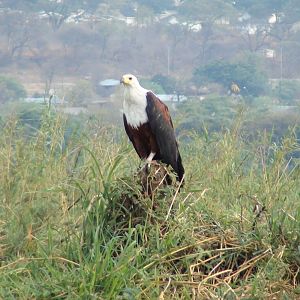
column 149, row 126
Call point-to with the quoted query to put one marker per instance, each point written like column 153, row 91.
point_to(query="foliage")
column 81, row 93
column 213, row 114
column 157, row 5
column 10, row 89
column 152, row 85
column 232, row 231
column 264, row 8
column 261, row 8
column 199, row 10
column 168, row 83
column 216, row 113
column 246, row 74
column 288, row 91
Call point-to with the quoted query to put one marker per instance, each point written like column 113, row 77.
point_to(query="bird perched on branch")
column 149, row 126
column 234, row 88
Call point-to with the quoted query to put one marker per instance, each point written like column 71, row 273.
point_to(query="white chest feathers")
column 134, row 107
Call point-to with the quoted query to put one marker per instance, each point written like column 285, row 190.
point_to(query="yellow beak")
column 124, row 80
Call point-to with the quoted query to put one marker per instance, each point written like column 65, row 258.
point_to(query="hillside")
column 55, row 43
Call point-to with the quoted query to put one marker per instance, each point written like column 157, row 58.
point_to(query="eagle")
column 149, row 126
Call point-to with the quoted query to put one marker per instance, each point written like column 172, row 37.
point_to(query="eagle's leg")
column 150, row 157
column 149, row 160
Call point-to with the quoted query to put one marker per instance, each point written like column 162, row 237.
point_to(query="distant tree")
column 167, row 83
column 286, row 18
column 206, row 35
column 213, row 114
column 257, row 38
column 288, row 91
column 175, row 36
column 170, row 85
column 246, row 74
column 206, row 10
column 260, row 8
column 57, row 13
column 81, row 94
column 151, row 85
column 102, row 35
column 76, row 41
column 144, row 15
column 18, row 31
column 157, row 5
column 48, row 71
column 10, row 89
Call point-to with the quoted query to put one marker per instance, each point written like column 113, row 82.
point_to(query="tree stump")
column 154, row 177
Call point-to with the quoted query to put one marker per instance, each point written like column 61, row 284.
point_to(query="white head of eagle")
column 149, row 126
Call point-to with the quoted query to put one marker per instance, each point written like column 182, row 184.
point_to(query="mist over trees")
column 194, row 47
column 246, row 74
column 93, row 38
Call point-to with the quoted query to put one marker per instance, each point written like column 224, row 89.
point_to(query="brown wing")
column 138, row 138
column 130, row 134
column 162, row 128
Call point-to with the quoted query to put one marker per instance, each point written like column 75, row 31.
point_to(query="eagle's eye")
column 130, row 78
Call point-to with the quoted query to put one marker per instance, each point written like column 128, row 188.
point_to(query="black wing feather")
column 162, row 127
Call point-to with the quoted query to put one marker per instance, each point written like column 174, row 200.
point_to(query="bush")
column 246, row 74
column 217, row 113
column 10, row 89
column 167, row 83
column 157, row 5
column 288, row 91
column 81, row 93
column 153, row 86
column 214, row 113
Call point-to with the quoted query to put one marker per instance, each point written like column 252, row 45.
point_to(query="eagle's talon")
column 148, row 167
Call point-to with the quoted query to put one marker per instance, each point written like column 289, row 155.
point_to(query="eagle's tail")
column 180, row 170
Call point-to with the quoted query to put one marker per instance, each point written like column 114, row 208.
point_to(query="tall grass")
column 68, row 232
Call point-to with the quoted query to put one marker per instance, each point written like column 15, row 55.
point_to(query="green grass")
column 67, row 231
